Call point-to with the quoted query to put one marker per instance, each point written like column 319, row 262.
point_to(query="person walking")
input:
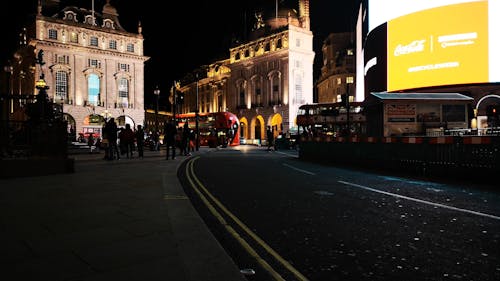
column 192, row 140
column 112, row 134
column 185, row 139
column 90, row 142
column 139, row 136
column 270, row 138
column 170, row 133
column 127, row 137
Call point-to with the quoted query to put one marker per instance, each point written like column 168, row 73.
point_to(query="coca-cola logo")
column 414, row 47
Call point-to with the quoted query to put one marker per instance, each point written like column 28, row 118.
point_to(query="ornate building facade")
column 91, row 65
column 339, row 68
column 265, row 79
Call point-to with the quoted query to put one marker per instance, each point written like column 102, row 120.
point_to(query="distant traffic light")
column 491, row 110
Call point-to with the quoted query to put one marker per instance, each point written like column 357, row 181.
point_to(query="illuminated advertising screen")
column 432, row 43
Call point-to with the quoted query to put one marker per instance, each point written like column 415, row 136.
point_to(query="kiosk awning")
column 422, row 96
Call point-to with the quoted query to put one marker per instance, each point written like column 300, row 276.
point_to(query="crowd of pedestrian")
column 127, row 142
column 117, row 142
column 182, row 138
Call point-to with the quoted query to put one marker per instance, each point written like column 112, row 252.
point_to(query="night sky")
column 182, row 35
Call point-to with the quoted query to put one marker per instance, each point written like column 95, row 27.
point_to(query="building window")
column 242, row 97
column 53, row 34
column 130, row 47
column 297, row 43
column 108, row 24
column 276, row 90
column 74, row 37
column 349, row 79
column 62, row 59
column 258, row 97
column 220, row 103
column 94, row 41
column 61, row 85
column 94, row 63
column 93, row 83
column 90, row 20
column 112, row 44
column 123, row 67
column 123, row 92
column 339, row 81
column 69, row 15
column 237, row 56
column 298, row 89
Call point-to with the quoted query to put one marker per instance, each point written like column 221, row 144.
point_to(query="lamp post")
column 174, row 95
column 42, row 87
column 5, row 108
column 348, row 107
column 157, row 94
column 197, row 113
column 10, row 101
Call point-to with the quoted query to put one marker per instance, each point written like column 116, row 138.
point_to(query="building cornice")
column 82, row 49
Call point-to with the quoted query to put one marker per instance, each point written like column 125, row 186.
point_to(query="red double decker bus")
column 216, row 128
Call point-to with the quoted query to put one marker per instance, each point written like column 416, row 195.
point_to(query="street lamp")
column 348, row 106
column 197, row 114
column 173, row 92
column 10, row 70
column 157, row 94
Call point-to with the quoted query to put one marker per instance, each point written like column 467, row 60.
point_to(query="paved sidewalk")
column 109, row 220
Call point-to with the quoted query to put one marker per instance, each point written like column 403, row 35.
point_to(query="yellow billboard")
column 439, row 46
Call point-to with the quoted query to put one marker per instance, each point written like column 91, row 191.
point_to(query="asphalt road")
column 296, row 220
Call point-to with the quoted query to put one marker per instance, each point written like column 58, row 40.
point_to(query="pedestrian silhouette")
column 270, row 138
column 139, row 136
column 111, row 131
column 170, row 133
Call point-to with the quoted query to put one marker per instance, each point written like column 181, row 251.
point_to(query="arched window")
column 61, row 85
column 276, row 90
column 279, row 44
column 267, row 47
column 242, row 97
column 258, row 92
column 240, row 86
column 123, row 92
column 93, row 89
column 243, row 127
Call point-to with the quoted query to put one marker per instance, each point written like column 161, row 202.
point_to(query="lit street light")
column 197, row 114
column 157, row 94
column 348, row 107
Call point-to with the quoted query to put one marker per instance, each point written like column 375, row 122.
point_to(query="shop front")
column 422, row 114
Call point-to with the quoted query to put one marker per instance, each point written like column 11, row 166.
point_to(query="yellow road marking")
column 234, row 233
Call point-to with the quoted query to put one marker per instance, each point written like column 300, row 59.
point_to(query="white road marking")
column 288, row 154
column 300, row 170
column 422, row 201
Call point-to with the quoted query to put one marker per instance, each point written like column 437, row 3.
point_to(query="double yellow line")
column 203, row 193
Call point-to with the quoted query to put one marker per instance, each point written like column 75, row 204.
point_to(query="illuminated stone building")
column 208, row 85
column 272, row 73
column 265, row 79
column 339, row 67
column 92, row 65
